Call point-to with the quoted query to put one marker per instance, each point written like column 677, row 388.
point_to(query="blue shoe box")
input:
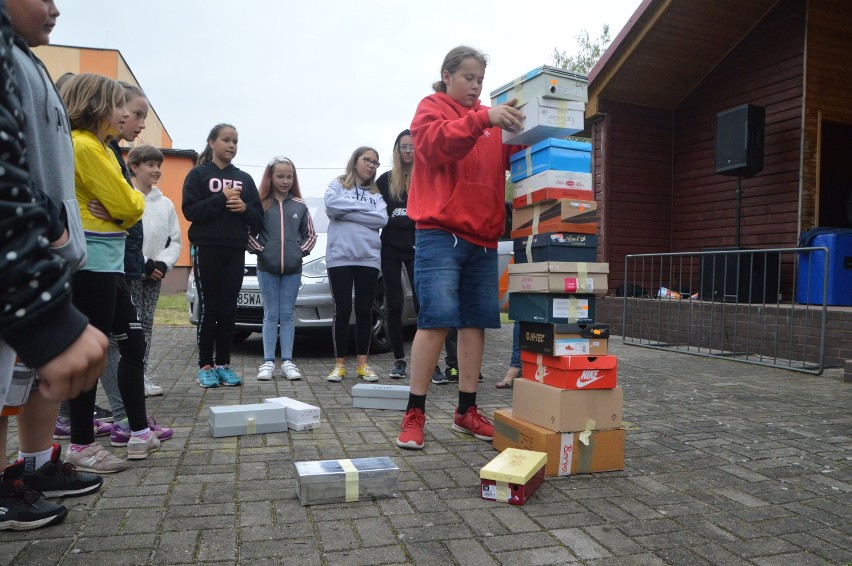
column 561, row 155
column 555, row 308
column 556, row 246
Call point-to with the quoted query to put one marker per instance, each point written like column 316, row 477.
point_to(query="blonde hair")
column 348, row 179
column 400, row 176
column 453, row 61
column 91, row 100
column 264, row 189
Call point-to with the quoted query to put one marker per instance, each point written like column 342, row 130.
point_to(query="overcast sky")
column 314, row 80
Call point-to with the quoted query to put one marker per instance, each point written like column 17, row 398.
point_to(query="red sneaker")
column 411, row 435
column 473, row 423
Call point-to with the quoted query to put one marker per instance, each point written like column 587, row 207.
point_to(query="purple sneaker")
column 120, row 436
column 101, row 428
column 63, row 429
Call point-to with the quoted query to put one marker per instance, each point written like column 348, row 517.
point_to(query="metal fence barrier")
column 753, row 306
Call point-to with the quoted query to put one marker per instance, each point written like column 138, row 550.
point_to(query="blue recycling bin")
column 812, row 267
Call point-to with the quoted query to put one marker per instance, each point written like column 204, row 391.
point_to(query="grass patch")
column 172, row 310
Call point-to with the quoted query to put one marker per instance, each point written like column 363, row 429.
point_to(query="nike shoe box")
column 565, row 339
column 241, row 420
column 513, row 476
column 561, row 215
column 380, row 396
column 570, row 372
column 559, row 277
column 300, row 415
column 556, row 246
column 345, row 480
column 567, row 410
column 556, row 308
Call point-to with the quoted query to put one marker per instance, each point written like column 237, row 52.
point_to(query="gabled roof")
column 666, row 49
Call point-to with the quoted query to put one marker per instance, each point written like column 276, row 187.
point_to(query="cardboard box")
column 570, row 372
column 547, row 118
column 380, row 396
column 343, row 481
column 557, row 308
column 546, row 81
column 559, row 277
column 556, row 246
column 573, row 158
column 513, row 476
column 550, row 193
column 240, row 420
column 565, row 339
column 567, row 410
column 568, row 453
column 300, row 415
column 563, row 215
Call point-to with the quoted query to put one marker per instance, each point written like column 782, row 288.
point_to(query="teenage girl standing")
column 222, row 204
column 356, row 213
column 287, row 235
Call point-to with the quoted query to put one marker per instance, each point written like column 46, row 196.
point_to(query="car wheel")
column 380, row 341
column 241, row 336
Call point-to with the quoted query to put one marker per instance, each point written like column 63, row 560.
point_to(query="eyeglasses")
column 280, row 159
column 406, row 147
column 368, row 161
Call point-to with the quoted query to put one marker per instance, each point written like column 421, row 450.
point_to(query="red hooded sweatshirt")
column 459, row 179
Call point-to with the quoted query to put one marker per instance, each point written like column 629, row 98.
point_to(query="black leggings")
column 218, row 277
column 392, row 277
column 342, row 280
column 105, row 299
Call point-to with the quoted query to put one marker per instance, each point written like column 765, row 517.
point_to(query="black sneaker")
column 481, row 379
column 21, row 508
column 439, row 377
column 452, row 374
column 60, row 479
column 398, row 371
column 103, row 415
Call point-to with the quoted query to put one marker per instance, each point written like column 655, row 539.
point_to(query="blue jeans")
column 279, row 294
column 515, row 361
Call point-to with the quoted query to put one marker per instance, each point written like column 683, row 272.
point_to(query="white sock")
column 35, row 460
column 143, row 434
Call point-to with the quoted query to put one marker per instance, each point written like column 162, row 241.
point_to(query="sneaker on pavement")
column 398, row 371
column 120, row 436
column 452, row 374
column 151, row 388
column 337, row 373
column 265, row 371
column 473, row 423
column 24, row 509
column 411, row 433
column 101, row 428
column 208, row 378
column 138, row 449
column 61, row 479
column 367, row 373
column 62, row 430
column 481, row 379
column 439, row 377
column 228, row 377
column 96, row 459
column 103, row 415
column 290, row 371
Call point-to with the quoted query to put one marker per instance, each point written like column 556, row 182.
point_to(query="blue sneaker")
column 227, row 376
column 208, row 378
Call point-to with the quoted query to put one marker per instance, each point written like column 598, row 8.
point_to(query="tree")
column 589, row 53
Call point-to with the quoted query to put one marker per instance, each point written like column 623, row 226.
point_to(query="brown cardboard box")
column 559, row 277
column 565, row 339
column 567, row 452
column 567, row 410
column 561, row 215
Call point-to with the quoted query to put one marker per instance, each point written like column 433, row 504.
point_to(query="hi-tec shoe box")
column 568, row 453
column 559, row 277
column 570, row 372
column 240, row 420
column 571, row 157
column 345, row 480
column 557, row 308
column 567, row 410
column 513, row 476
column 551, row 193
column 561, row 215
column 300, row 415
column 565, row 339
column 380, row 396
column 556, row 246
column 551, row 82
column 546, row 118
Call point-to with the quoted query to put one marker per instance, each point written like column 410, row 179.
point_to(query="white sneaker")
column 151, row 388
column 290, row 370
column 264, row 373
column 138, row 449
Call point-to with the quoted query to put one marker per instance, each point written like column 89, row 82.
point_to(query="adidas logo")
column 587, row 377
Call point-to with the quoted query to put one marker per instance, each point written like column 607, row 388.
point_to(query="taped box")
column 344, row 481
column 570, row 372
column 300, row 415
column 562, row 215
column 550, row 193
column 565, row 339
column 553, row 155
column 556, row 246
column 556, row 308
column 559, row 277
column 380, row 396
column 546, row 118
column 241, row 420
column 513, row 476
column 568, row 453
column 567, row 410
column 545, row 81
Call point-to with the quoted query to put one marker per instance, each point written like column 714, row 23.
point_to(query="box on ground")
column 570, row 372
column 300, row 415
column 240, row 420
column 570, row 156
column 559, row 277
column 546, row 118
column 380, row 396
column 513, row 476
column 544, row 81
column 556, row 246
column 563, row 215
column 568, row 453
column 565, row 339
column 557, row 308
column 567, row 410
column 345, row 480
column 550, row 193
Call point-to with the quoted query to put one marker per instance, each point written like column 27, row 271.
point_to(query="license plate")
column 248, row 299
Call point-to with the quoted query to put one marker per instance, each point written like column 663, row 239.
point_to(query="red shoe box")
column 570, row 372
column 513, row 476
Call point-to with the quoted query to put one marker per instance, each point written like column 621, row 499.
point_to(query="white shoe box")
column 300, row 415
column 380, row 396
column 345, row 480
column 240, row 420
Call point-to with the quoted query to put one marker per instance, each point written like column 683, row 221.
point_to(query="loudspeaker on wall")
column 739, row 140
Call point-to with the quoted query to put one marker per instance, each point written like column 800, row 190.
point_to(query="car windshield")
column 316, row 206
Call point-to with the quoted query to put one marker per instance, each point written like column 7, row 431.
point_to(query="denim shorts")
column 456, row 282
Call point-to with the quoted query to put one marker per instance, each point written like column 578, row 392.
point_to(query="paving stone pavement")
column 726, row 464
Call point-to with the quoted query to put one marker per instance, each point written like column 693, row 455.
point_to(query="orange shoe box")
column 561, row 215
column 570, row 372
